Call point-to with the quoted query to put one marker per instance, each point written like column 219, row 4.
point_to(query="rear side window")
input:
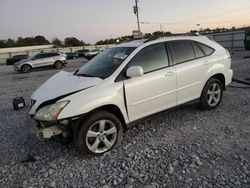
column 54, row 54
column 198, row 51
column 182, row 50
column 206, row 49
column 37, row 56
column 151, row 58
column 45, row 55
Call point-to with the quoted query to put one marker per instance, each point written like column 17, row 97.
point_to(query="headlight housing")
column 50, row 112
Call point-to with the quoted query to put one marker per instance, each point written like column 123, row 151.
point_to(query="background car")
column 81, row 53
column 91, row 54
column 70, row 55
column 247, row 40
column 55, row 59
column 16, row 58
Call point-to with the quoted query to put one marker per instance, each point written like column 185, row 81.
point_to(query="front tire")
column 99, row 133
column 58, row 65
column 26, row 68
column 211, row 94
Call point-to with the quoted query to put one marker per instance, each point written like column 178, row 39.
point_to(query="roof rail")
column 159, row 36
column 153, row 38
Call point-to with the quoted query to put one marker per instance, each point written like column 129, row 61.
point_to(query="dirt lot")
column 186, row 147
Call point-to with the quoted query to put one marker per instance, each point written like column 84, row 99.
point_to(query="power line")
column 169, row 23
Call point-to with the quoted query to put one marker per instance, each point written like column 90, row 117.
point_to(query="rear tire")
column 58, row 65
column 211, row 94
column 99, row 133
column 26, row 68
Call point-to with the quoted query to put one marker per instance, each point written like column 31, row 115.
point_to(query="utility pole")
column 136, row 12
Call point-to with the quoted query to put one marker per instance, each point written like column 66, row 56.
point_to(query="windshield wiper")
column 85, row 75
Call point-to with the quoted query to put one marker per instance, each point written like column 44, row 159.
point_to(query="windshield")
column 105, row 63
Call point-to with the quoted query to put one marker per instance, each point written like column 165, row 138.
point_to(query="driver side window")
column 151, row 58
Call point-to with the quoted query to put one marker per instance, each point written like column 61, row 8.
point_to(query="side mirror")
column 134, row 71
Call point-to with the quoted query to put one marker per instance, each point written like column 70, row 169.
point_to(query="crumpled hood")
column 60, row 84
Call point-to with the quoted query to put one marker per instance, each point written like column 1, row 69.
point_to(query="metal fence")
column 232, row 39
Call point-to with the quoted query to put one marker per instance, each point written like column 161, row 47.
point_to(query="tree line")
column 41, row 40
column 163, row 33
column 72, row 41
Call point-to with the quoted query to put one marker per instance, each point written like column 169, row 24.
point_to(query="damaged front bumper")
column 47, row 133
column 46, row 130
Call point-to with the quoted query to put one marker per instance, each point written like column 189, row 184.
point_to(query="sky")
column 93, row 20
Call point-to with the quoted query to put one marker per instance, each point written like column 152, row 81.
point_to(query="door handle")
column 206, row 63
column 170, row 73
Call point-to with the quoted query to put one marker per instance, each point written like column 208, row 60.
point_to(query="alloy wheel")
column 101, row 136
column 213, row 94
column 26, row 68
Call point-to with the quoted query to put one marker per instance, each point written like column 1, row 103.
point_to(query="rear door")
column 47, row 59
column 52, row 58
column 36, row 60
column 156, row 89
column 191, row 64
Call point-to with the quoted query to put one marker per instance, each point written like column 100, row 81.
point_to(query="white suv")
column 54, row 59
column 126, row 83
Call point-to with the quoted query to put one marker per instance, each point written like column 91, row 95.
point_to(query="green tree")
column 3, row 44
column 56, row 42
column 72, row 41
column 40, row 40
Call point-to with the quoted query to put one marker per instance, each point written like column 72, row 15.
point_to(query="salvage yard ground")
column 185, row 147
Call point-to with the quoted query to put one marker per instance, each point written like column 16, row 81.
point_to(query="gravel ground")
column 185, row 147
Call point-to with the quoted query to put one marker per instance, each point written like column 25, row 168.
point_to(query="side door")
column 46, row 59
column 36, row 60
column 155, row 90
column 51, row 58
column 191, row 67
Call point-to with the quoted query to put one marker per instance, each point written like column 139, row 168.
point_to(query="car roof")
column 134, row 43
column 137, row 43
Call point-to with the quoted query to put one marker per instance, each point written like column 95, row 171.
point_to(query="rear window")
column 198, row 51
column 182, row 50
column 206, row 49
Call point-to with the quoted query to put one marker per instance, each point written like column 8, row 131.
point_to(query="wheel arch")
column 108, row 108
column 220, row 77
column 58, row 60
column 114, row 110
column 27, row 64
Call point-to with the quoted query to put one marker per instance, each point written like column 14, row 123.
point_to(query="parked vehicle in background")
column 55, row 59
column 247, row 40
column 126, row 83
column 91, row 54
column 81, row 53
column 16, row 58
column 70, row 55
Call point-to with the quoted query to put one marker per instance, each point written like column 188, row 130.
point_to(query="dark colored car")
column 15, row 59
column 81, row 53
column 70, row 55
